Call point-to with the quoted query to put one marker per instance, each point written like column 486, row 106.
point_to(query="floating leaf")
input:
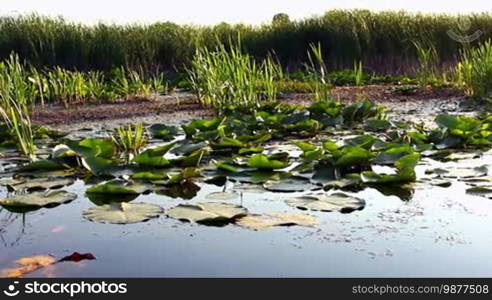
column 268, row 220
column 163, row 132
column 154, row 157
column 123, row 213
column 292, row 184
column 39, row 199
column 222, row 196
column 186, row 190
column 264, row 162
column 103, row 148
column 40, row 184
column 324, row 202
column 118, row 187
column 377, row 125
column 210, row 212
column 44, row 165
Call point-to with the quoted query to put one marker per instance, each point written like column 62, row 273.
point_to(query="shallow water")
column 438, row 232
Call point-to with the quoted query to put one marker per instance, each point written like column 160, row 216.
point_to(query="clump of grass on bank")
column 474, row 71
column 226, row 79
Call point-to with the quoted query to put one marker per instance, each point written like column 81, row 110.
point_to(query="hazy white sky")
column 215, row 11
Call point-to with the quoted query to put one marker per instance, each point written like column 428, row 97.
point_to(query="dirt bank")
column 181, row 106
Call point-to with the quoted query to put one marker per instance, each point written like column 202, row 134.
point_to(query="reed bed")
column 382, row 41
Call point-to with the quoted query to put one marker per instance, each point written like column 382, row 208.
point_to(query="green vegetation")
column 381, row 40
column 229, row 79
column 15, row 95
column 474, row 72
column 130, row 140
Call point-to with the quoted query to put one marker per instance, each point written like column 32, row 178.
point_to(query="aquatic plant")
column 15, row 97
column 130, row 140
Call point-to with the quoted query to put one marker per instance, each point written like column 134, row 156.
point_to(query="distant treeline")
column 383, row 41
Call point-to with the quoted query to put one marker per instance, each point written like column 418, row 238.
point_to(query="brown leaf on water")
column 28, row 265
column 76, row 257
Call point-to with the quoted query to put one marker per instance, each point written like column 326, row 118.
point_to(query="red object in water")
column 76, row 257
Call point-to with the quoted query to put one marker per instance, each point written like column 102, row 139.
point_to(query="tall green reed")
column 474, row 71
column 226, row 78
column 15, row 95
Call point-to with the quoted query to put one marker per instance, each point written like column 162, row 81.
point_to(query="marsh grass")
column 129, row 140
column 474, row 71
column 227, row 78
column 381, row 40
column 318, row 71
column 15, row 92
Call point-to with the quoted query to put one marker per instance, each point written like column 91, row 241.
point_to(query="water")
column 439, row 232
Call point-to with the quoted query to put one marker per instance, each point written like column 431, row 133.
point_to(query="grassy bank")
column 383, row 42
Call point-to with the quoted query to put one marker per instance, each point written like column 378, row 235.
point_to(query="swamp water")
column 432, row 227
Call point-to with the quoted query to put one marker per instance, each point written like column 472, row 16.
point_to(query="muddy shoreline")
column 182, row 106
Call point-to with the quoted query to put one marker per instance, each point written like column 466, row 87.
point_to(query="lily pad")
column 123, row 213
column 118, row 187
column 222, row 196
column 292, row 184
column 268, row 220
column 264, row 162
column 324, row 202
column 459, row 172
column 154, row 157
column 210, row 212
column 39, row 199
column 40, row 184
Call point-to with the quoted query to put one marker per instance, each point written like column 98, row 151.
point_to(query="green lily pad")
column 163, row 132
column 123, row 213
column 188, row 148
column 265, row 162
column 377, row 125
column 118, row 187
column 351, row 156
column 44, row 165
column 103, row 148
column 210, row 212
column 39, row 199
column 485, row 191
column 325, row 202
column 154, row 157
column 98, row 165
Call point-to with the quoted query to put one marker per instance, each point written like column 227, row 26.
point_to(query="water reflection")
column 9, row 236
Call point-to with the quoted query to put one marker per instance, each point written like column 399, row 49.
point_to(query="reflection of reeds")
column 15, row 95
column 7, row 222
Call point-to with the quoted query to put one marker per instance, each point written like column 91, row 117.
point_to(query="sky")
column 208, row 12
